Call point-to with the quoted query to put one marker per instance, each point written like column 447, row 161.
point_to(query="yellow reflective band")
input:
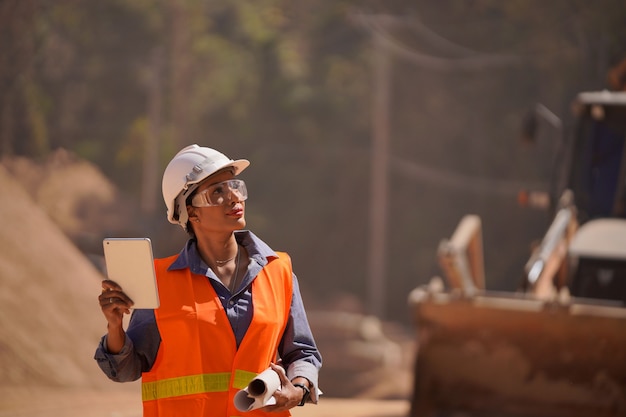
column 185, row 385
column 242, row 378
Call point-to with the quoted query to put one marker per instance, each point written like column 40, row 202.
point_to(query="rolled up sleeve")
column 140, row 349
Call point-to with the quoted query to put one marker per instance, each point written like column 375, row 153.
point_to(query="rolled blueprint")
column 259, row 391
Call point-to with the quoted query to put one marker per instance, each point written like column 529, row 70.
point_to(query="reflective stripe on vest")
column 194, row 384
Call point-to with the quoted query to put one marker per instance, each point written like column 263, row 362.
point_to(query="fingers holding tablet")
column 113, row 299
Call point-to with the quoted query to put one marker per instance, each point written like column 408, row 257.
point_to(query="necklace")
column 234, row 277
column 224, row 262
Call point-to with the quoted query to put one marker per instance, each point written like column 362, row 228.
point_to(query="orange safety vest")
column 198, row 369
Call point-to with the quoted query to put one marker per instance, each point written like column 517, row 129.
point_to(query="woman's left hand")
column 287, row 396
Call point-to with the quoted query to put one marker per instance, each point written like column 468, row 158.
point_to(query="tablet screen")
column 130, row 263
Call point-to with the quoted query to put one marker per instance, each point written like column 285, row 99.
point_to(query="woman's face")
column 228, row 217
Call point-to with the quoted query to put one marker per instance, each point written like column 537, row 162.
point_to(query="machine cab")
column 597, row 176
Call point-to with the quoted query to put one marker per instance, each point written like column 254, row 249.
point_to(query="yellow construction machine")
column 557, row 346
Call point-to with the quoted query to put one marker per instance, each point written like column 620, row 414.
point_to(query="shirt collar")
column 256, row 248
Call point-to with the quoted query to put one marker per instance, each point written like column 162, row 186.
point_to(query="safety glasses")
column 221, row 193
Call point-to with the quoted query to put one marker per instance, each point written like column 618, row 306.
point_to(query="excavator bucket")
column 502, row 355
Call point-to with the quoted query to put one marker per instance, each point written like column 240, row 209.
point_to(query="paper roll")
column 259, row 391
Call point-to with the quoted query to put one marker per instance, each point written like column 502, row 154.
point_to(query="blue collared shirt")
column 297, row 348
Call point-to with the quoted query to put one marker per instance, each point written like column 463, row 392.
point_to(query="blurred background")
column 372, row 128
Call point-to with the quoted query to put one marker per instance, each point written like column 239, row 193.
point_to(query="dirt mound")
column 50, row 322
column 364, row 357
column 361, row 359
column 75, row 194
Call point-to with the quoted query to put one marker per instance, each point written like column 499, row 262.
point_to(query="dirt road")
column 48, row 402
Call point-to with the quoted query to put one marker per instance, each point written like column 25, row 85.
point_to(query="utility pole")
column 379, row 184
column 379, row 172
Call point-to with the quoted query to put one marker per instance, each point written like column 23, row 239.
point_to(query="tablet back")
column 130, row 263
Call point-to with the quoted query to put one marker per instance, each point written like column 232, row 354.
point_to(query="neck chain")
column 234, row 277
column 224, row 262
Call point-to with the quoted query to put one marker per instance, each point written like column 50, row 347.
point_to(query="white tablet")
column 130, row 263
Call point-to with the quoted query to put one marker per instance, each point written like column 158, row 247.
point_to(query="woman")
column 230, row 306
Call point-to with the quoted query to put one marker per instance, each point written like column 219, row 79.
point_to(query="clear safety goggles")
column 221, row 193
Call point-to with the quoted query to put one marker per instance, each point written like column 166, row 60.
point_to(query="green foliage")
column 260, row 21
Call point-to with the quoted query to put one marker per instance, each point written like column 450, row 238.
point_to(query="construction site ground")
column 50, row 402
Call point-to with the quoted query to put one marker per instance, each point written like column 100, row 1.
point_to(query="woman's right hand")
column 114, row 304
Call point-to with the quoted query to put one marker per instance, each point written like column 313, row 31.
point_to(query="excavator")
column 556, row 346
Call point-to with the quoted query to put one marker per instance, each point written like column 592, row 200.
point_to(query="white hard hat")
column 185, row 171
